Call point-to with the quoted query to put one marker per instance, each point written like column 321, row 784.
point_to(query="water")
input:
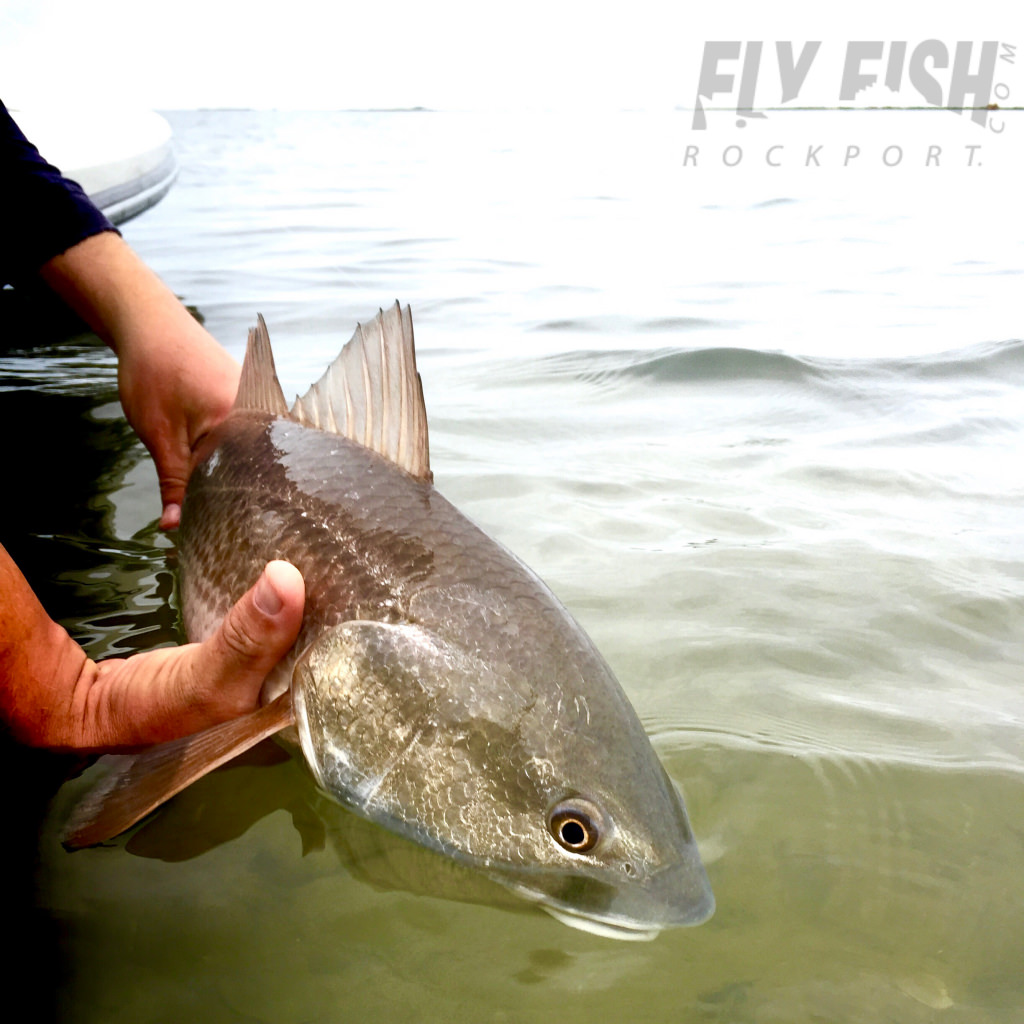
column 763, row 436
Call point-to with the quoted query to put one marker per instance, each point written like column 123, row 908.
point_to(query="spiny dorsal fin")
column 372, row 394
column 141, row 782
column 258, row 387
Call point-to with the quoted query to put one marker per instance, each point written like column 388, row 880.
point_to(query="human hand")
column 52, row 695
column 176, row 383
column 175, row 386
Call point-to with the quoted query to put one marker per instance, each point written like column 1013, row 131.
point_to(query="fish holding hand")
column 437, row 687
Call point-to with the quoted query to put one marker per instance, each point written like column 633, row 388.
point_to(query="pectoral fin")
column 139, row 783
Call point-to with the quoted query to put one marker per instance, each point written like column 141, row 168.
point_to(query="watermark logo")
column 962, row 77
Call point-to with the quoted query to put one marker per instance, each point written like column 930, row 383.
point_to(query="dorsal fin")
column 372, row 394
column 259, row 387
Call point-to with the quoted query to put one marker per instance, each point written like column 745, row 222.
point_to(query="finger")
column 172, row 493
column 171, row 457
column 174, row 467
column 255, row 634
column 170, row 518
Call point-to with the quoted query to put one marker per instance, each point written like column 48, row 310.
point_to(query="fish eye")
column 575, row 825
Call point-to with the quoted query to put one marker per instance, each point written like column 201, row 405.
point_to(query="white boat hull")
column 124, row 160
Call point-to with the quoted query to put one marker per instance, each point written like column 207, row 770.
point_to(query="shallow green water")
column 880, row 894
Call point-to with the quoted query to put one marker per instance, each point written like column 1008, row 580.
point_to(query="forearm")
column 123, row 301
column 36, row 657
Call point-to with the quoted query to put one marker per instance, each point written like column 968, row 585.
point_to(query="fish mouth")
column 604, row 928
column 617, row 926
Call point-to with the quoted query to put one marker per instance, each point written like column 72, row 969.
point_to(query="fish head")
column 551, row 789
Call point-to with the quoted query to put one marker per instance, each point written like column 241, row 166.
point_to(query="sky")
column 443, row 54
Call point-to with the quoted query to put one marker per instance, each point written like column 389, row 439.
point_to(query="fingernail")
column 266, row 597
column 171, row 517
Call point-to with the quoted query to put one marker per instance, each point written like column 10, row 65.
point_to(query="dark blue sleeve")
column 42, row 213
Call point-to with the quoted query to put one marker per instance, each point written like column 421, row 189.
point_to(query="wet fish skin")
column 439, row 687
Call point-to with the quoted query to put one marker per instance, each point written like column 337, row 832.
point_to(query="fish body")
column 439, row 687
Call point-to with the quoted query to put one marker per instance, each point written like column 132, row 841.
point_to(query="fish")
column 437, row 687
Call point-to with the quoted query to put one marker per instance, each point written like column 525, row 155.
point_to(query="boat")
column 123, row 159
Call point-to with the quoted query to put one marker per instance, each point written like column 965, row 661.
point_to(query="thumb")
column 253, row 637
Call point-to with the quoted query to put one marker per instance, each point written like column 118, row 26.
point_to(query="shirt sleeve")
column 42, row 213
